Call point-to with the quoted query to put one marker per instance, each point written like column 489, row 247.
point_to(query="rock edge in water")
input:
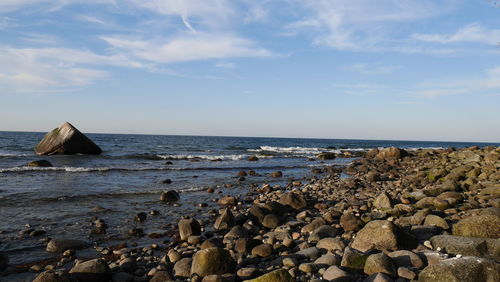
column 66, row 140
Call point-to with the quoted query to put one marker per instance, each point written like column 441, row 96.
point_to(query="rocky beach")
column 389, row 215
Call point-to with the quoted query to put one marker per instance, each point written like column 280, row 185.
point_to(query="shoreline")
column 395, row 205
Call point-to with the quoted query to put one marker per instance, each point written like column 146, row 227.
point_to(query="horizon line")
column 274, row 137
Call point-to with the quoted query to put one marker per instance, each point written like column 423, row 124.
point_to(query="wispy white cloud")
column 188, row 47
column 365, row 25
column 52, row 69
column 473, row 32
column 225, row 65
column 487, row 83
column 374, row 69
column 41, row 39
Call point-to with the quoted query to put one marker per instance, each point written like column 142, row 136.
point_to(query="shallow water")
column 126, row 179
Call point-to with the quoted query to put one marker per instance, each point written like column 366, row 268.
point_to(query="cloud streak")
column 473, row 32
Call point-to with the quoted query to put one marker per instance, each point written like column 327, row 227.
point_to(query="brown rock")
column 68, row 140
column 377, row 234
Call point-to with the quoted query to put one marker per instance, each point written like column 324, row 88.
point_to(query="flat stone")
column 468, row 246
column 483, row 226
column 334, row 272
column 464, row 269
column 61, row 245
column 331, row 244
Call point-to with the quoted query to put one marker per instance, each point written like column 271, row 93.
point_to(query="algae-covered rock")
column 483, row 226
column 279, row 275
column 67, row 140
column 212, row 261
column 380, row 263
column 464, row 269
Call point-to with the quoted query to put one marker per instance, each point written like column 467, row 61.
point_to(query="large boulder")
column 53, row 276
column 467, row 246
column 67, row 140
column 212, row 261
column 464, row 269
column 280, row 275
column 377, row 234
column 483, row 226
column 390, row 153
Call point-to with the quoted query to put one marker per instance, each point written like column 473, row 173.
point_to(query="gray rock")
column 436, row 221
column 66, row 139
column 225, row 220
column 377, row 234
column 331, row 244
column 61, row 245
column 328, row 259
column 468, row 246
column 407, row 259
column 335, row 273
column 312, row 252
column 464, row 269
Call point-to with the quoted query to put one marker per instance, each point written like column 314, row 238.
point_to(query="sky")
column 365, row 69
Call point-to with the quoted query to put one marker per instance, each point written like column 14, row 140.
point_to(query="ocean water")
column 126, row 179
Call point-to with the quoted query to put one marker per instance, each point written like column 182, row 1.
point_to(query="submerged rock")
column 67, row 140
column 39, row 163
column 169, row 196
column 61, row 245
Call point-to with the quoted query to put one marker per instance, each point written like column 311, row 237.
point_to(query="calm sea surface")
column 126, row 179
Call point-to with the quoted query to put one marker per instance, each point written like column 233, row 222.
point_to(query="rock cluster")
column 426, row 215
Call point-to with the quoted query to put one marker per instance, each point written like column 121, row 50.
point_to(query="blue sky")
column 411, row 70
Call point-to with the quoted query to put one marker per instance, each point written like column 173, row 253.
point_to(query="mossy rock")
column 212, row 261
column 280, row 275
column 482, row 226
column 465, row 269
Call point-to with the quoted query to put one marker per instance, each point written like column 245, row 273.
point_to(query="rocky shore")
column 392, row 215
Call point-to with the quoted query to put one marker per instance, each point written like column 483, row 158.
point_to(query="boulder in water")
column 39, row 163
column 66, row 140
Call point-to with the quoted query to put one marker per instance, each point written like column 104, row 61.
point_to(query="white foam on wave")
column 64, row 168
column 204, row 157
column 293, row 150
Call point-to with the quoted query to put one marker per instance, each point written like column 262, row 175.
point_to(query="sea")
column 127, row 178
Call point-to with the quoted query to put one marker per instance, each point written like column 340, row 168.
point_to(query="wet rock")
column 61, row 245
column 464, row 269
column 253, row 158
column 467, row 246
column 380, row 263
column 166, row 181
column 53, row 276
column 91, row 270
column 39, row 163
column 169, row 196
column 325, row 156
column 276, row 174
column 4, row 261
column 138, row 232
column 225, row 220
column 377, row 234
column 483, row 226
column 188, row 227
column 227, row 201
column 390, row 153
column 293, row 200
column 182, row 267
column 212, row 261
column 262, row 250
column 141, row 216
column 279, row 275
column 66, row 139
